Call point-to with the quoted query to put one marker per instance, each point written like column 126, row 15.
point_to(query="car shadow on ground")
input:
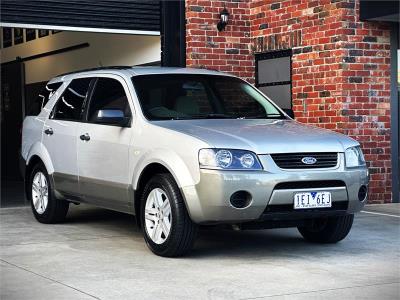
column 215, row 241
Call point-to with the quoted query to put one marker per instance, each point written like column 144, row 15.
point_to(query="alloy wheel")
column 158, row 217
column 40, row 192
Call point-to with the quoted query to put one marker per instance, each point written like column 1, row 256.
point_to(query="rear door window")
column 70, row 105
column 42, row 99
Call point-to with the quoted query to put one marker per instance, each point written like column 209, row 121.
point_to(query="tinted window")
column 42, row 99
column 70, row 104
column 177, row 96
column 108, row 94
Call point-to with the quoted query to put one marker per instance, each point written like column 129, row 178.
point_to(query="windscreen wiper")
column 213, row 116
column 269, row 116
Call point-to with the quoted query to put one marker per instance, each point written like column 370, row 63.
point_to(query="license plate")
column 312, row 200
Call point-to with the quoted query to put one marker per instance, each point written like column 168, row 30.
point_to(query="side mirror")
column 112, row 117
column 289, row 112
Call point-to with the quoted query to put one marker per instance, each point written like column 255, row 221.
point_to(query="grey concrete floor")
column 101, row 254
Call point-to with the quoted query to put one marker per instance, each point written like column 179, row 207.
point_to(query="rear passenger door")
column 59, row 136
column 103, row 148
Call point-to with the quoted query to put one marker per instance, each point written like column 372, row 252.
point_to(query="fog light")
column 240, row 199
column 362, row 193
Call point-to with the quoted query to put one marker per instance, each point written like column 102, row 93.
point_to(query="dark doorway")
column 12, row 114
column 31, row 94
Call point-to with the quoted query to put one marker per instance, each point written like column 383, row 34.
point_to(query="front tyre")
column 327, row 230
column 167, row 227
column 45, row 207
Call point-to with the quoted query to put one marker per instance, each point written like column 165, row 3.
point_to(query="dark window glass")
column 274, row 76
column 43, row 32
column 178, row 96
column 18, row 36
column 7, row 37
column 70, row 104
column 30, row 34
column 108, row 94
column 42, row 99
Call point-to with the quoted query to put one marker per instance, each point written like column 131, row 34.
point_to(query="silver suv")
column 180, row 148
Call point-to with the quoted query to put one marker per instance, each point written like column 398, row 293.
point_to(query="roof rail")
column 96, row 69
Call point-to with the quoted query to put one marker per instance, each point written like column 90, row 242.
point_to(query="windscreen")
column 181, row 96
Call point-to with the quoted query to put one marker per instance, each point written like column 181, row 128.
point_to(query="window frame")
column 52, row 114
column 90, row 95
column 271, row 55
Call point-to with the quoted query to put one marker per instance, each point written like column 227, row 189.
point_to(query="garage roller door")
column 105, row 15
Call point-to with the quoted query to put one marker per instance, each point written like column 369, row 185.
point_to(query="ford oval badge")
column 308, row 160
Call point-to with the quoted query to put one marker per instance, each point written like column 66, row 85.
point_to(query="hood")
column 261, row 136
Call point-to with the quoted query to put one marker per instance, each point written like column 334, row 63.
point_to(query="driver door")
column 103, row 149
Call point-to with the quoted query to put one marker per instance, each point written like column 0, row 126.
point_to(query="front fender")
column 38, row 149
column 183, row 175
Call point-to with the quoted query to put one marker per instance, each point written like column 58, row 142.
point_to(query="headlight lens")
column 227, row 159
column 224, row 158
column 354, row 157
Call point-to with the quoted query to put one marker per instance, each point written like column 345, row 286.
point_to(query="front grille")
column 287, row 208
column 312, row 184
column 293, row 160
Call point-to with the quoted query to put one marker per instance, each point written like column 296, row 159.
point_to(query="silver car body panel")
column 106, row 170
column 262, row 136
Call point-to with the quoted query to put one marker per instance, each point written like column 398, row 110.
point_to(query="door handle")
column 49, row 131
column 85, row 137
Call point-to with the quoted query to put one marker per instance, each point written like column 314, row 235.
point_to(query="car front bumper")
column 208, row 202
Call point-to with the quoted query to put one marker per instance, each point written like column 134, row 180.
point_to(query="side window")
column 42, row 99
column 71, row 103
column 108, row 94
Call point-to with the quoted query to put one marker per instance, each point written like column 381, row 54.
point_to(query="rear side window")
column 108, row 94
column 71, row 103
column 42, row 99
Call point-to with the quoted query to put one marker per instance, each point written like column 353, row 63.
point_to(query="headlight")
column 226, row 159
column 354, row 157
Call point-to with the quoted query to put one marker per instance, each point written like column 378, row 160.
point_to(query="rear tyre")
column 328, row 230
column 45, row 206
column 167, row 227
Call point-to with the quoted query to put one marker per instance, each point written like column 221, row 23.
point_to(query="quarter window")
column 109, row 94
column 71, row 103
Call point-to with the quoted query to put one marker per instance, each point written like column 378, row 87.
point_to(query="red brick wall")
column 226, row 51
column 340, row 69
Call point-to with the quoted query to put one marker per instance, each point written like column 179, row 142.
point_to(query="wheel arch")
column 147, row 172
column 39, row 150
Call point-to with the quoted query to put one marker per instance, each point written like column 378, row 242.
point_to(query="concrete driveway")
column 101, row 254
